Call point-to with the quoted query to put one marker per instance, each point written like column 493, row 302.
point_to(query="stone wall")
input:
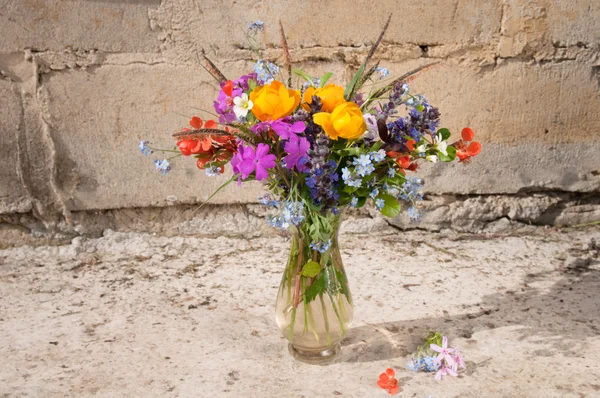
column 82, row 81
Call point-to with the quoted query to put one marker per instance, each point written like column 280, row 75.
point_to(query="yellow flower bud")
column 346, row 121
column 273, row 101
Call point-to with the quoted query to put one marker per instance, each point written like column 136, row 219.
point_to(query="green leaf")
column 251, row 84
column 451, row 154
column 391, row 207
column 376, row 146
column 420, row 108
column 353, row 151
column 325, row 78
column 445, row 133
column 361, row 202
column 318, row 287
column 311, row 269
column 343, row 284
column 349, row 189
column 350, row 87
column 304, row 75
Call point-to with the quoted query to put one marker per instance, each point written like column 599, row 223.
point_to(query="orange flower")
column 346, row 121
column 387, row 381
column 273, row 101
column 331, row 96
column 465, row 152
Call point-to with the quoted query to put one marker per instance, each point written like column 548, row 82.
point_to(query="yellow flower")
column 346, row 121
column 273, row 101
column 331, row 96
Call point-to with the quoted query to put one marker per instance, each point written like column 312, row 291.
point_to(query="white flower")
column 432, row 158
column 422, row 148
column 441, row 145
column 242, row 105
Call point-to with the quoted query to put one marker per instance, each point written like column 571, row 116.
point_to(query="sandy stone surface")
column 137, row 315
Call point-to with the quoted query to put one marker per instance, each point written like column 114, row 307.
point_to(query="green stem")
column 324, row 309
column 305, row 309
column 311, row 321
column 337, row 314
column 292, row 324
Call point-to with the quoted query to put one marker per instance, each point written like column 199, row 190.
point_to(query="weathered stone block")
column 14, row 197
column 219, row 26
column 516, row 103
column 98, row 119
column 115, row 26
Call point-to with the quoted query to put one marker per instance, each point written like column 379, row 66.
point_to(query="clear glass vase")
column 314, row 305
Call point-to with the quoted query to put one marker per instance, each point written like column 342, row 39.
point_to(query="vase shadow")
column 570, row 309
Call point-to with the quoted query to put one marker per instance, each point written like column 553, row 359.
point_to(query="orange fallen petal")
column 467, row 134
column 474, row 148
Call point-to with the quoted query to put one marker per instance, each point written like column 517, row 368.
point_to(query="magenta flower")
column 444, row 352
column 296, row 149
column 284, row 128
column 445, row 371
column 248, row 160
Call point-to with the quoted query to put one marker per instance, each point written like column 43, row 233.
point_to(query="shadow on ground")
column 564, row 315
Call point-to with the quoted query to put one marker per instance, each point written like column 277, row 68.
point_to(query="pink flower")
column 460, row 361
column 445, row 371
column 444, row 352
column 249, row 160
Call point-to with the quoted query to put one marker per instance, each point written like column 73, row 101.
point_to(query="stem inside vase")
column 314, row 305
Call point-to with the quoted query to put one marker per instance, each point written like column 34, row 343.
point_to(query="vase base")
column 315, row 356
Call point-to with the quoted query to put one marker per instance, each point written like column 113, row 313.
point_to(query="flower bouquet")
column 319, row 148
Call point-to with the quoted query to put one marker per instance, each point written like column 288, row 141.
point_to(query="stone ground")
column 140, row 315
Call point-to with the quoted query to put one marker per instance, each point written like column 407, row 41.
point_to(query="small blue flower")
column 374, row 193
column 413, row 365
column 379, row 203
column 356, row 182
column 391, row 172
column 256, row 26
column 378, row 156
column 383, row 72
column 364, row 170
column 362, row 160
column 162, row 166
column 321, row 247
column 354, row 202
column 346, row 174
column 414, row 214
column 144, row 148
column 429, row 364
column 265, row 71
column 213, row 171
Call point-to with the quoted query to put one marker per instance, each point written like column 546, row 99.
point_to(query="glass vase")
column 314, row 305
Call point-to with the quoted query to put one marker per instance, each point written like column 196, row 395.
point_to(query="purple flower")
column 444, row 352
column 224, row 105
column 296, row 149
column 249, row 160
column 284, row 128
